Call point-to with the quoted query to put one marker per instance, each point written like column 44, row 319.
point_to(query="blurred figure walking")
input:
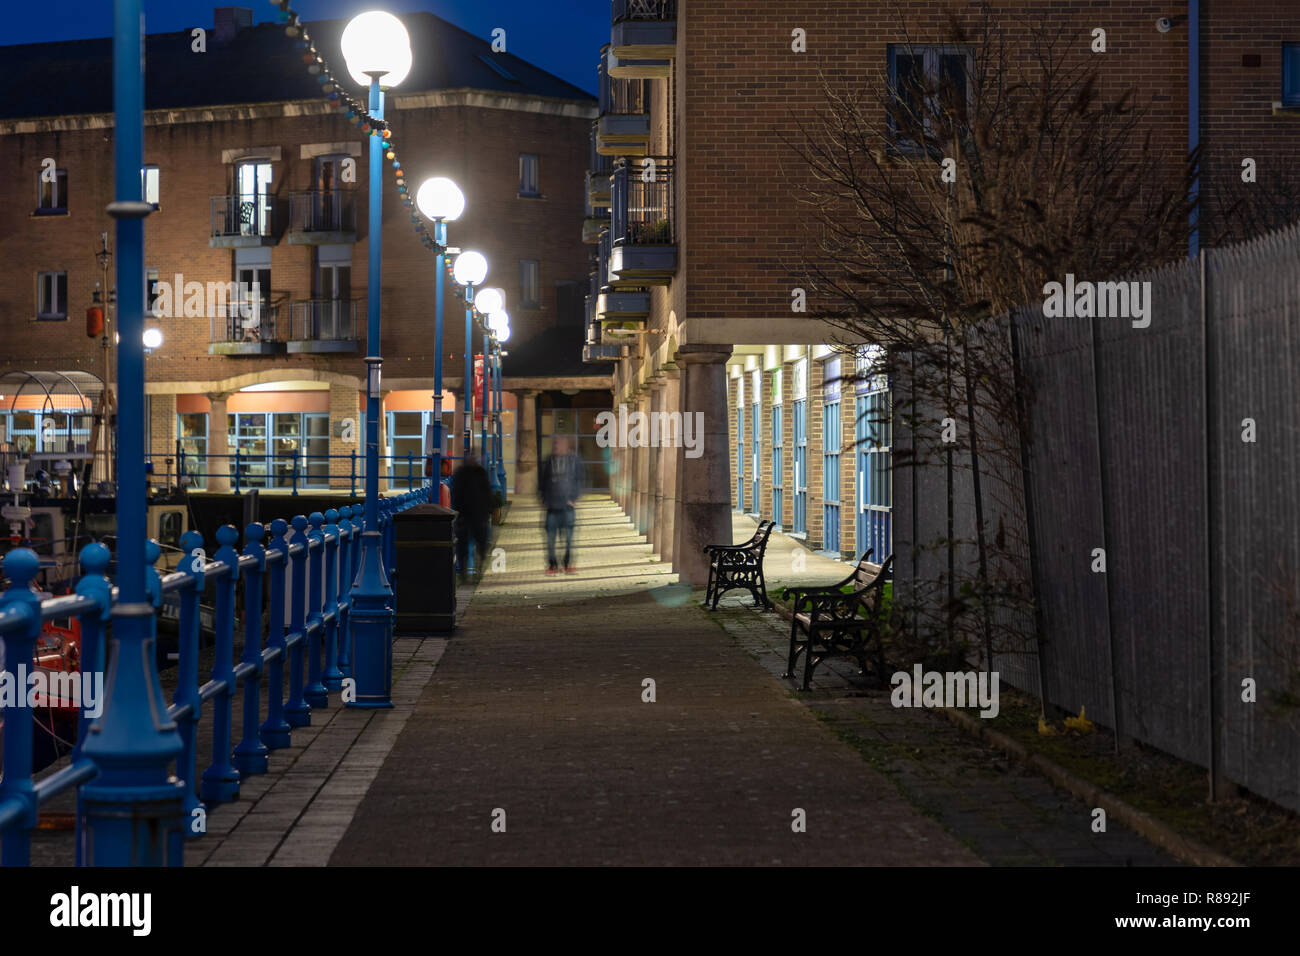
column 471, row 498
column 560, row 487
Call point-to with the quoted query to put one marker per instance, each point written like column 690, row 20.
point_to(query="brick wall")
column 479, row 148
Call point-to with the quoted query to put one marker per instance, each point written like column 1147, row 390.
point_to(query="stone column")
column 654, row 490
column 703, row 473
column 526, row 464
column 666, row 500
column 218, row 467
column 644, row 489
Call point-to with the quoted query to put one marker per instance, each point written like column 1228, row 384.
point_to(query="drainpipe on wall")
column 1194, row 118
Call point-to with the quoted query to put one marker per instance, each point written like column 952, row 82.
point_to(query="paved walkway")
column 532, row 717
column 535, row 720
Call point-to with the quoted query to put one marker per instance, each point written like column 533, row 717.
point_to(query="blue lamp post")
column 498, row 324
column 440, row 200
column 470, row 269
column 131, row 812
column 501, row 459
column 378, row 54
column 490, row 302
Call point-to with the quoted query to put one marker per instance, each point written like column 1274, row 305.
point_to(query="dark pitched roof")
column 259, row 65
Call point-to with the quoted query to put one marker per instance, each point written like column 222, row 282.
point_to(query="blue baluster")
column 19, row 644
column 333, row 677
column 94, row 584
column 221, row 780
column 345, row 589
column 238, row 476
column 251, row 755
column 353, row 479
column 187, row 679
column 296, row 710
column 315, row 694
column 276, row 730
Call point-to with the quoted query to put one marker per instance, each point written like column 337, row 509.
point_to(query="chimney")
column 227, row 21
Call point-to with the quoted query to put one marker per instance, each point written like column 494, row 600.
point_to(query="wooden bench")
column 830, row 621
column 733, row 566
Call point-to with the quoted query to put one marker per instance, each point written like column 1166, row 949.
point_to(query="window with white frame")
column 52, row 296
column 529, row 174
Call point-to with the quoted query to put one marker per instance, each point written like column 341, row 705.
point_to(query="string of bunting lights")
column 356, row 112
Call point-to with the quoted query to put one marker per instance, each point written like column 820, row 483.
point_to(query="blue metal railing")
column 405, row 470
column 303, row 578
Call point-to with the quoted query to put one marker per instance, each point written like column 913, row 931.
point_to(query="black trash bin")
column 426, row 555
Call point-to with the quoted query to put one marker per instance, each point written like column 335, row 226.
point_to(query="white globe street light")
column 503, row 333
column 498, row 319
column 470, row 268
column 490, row 300
column 440, row 198
column 376, row 43
column 153, row 338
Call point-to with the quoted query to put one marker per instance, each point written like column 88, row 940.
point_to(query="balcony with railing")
column 325, row 325
column 241, row 221
column 322, row 217
column 623, row 126
column 245, row 328
column 642, row 224
column 599, row 167
column 643, row 38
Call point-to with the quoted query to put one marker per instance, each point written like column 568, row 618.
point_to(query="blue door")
column 740, row 456
column 874, row 461
column 777, row 464
column 801, row 466
column 831, row 475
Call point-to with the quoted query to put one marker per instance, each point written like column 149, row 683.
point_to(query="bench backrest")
column 869, row 585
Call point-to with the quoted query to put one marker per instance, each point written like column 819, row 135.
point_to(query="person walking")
column 560, row 486
column 471, row 499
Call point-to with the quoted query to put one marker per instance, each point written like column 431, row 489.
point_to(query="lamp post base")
column 372, row 621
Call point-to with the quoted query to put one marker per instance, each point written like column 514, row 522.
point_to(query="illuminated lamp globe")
column 376, row 43
column 470, row 268
column 497, row 320
column 489, row 300
column 503, row 333
column 440, row 198
column 153, row 338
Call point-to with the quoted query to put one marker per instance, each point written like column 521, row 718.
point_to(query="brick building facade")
column 255, row 176
column 726, row 94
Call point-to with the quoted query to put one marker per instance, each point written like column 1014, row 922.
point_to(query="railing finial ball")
column 299, row 522
column 254, row 533
column 191, row 540
column 317, row 519
column 279, row 527
column 345, row 511
column 332, row 516
column 20, row 566
column 227, row 535
column 95, row 558
column 152, row 551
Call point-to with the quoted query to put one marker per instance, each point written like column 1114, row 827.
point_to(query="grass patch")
column 1245, row 827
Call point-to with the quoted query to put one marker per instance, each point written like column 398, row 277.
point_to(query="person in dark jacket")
column 471, row 499
column 560, row 486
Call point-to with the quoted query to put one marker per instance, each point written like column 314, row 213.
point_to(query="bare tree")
column 994, row 159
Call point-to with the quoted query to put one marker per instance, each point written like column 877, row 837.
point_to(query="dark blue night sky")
column 561, row 36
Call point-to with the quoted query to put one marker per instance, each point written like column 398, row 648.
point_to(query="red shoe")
column 552, row 570
column 570, row 570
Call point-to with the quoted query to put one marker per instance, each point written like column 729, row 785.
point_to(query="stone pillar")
column 644, row 489
column 218, row 467
column 526, row 465
column 624, row 467
column 704, row 474
column 654, row 490
column 666, row 501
